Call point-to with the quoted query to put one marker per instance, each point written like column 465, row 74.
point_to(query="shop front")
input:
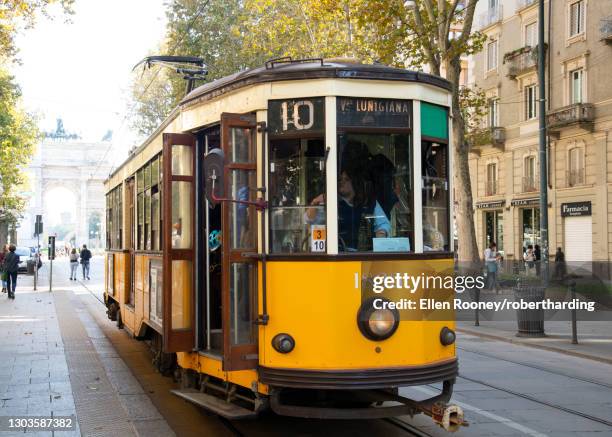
column 529, row 222
column 493, row 223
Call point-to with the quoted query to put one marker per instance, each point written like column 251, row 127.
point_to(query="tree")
column 15, row 14
column 18, row 137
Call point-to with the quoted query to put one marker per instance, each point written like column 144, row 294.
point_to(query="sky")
column 80, row 70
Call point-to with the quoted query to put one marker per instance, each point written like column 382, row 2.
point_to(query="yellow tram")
column 243, row 235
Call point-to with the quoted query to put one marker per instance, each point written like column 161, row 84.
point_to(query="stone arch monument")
column 81, row 168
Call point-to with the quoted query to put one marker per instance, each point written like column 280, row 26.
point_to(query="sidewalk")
column 594, row 337
column 57, row 361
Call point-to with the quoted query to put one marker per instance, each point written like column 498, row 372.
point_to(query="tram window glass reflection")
column 148, row 206
column 297, row 187
column 434, row 168
column 375, row 193
column 114, row 215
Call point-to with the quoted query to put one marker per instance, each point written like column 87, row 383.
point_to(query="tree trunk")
column 468, row 255
column 3, row 233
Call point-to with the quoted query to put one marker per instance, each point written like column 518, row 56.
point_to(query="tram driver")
column 359, row 213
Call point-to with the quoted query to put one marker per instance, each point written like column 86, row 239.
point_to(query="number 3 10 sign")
column 318, row 238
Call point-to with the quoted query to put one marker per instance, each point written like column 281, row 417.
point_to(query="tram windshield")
column 375, row 193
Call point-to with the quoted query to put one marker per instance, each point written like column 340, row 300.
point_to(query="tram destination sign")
column 367, row 112
column 296, row 116
column 575, row 209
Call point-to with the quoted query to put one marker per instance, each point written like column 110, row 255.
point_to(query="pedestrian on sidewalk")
column 74, row 264
column 3, row 274
column 529, row 258
column 559, row 264
column 537, row 253
column 10, row 266
column 85, row 257
column 491, row 257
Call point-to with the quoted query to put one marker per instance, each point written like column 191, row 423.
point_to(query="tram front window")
column 375, row 193
column 297, row 180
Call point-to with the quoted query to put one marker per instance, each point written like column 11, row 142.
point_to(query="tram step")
column 216, row 405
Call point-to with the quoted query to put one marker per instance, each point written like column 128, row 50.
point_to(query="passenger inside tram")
column 359, row 213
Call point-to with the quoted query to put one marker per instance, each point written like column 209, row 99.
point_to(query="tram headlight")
column 447, row 336
column 377, row 322
column 283, row 343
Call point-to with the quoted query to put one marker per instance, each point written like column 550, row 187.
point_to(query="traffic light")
column 38, row 226
column 51, row 246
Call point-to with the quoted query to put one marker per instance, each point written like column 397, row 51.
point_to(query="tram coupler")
column 449, row 417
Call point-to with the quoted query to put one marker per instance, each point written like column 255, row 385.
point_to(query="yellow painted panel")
column 138, row 271
column 211, row 366
column 127, row 317
column 182, row 283
column 317, row 304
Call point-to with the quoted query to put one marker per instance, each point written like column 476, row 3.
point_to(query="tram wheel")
column 112, row 311
column 119, row 320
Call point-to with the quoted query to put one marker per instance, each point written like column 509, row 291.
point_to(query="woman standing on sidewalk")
column 3, row 274
column 10, row 266
column 74, row 264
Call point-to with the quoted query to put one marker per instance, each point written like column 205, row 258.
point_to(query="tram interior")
column 211, row 139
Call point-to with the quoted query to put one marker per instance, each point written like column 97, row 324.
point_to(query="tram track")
column 539, row 401
column 413, row 430
column 541, row 368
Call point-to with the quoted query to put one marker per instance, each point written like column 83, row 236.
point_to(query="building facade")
column 504, row 162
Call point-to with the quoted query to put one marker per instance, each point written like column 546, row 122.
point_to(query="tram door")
column 178, row 247
column 239, row 238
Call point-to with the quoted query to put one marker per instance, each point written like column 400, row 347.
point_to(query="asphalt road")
column 504, row 389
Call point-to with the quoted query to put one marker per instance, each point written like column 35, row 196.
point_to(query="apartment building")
column 504, row 162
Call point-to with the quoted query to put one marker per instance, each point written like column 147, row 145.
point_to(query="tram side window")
column 114, row 219
column 297, row 200
column 148, row 206
column 434, row 167
column 375, row 193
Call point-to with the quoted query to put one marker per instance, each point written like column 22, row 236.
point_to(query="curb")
column 536, row 346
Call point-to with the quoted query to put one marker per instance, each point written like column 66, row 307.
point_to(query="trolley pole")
column 543, row 147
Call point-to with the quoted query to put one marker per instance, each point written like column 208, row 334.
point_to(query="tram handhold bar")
column 259, row 204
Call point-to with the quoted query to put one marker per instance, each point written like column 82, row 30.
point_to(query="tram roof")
column 284, row 69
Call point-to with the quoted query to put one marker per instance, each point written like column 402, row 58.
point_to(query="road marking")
column 504, row 420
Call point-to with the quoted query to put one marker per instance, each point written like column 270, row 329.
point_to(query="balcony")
column 491, row 188
column 522, row 4
column 578, row 114
column 492, row 16
column 521, row 61
column 529, row 184
column 605, row 29
column 495, row 136
column 574, row 178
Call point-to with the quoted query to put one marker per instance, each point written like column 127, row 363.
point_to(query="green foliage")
column 474, row 109
column 18, row 137
column 16, row 14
